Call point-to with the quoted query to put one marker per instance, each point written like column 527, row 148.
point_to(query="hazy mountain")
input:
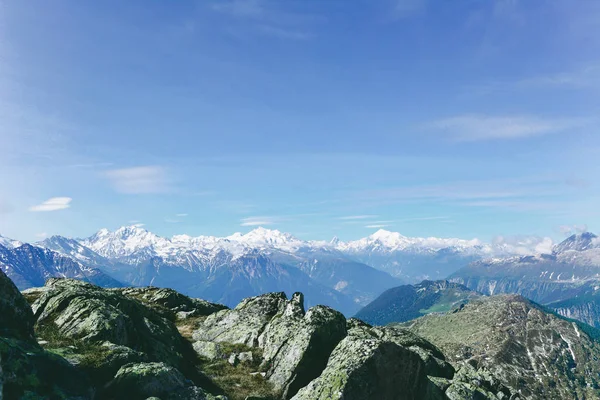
column 414, row 259
column 407, row 302
column 30, row 266
column 544, row 277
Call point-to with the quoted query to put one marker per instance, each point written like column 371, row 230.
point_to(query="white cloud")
column 181, row 215
column 568, row 230
column 482, row 127
column 355, row 217
column 41, row 235
column 138, row 180
column 525, row 245
column 259, row 221
column 376, row 226
column 172, row 221
column 53, row 204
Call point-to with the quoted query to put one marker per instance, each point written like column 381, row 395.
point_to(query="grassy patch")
column 237, row 382
column 186, row 327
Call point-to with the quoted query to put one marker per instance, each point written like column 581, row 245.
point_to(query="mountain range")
column 345, row 275
column 566, row 280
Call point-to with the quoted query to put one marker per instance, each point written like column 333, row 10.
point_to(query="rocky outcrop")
column 125, row 342
column 26, row 370
column 296, row 345
column 89, row 314
column 361, row 368
column 172, row 303
column 245, row 323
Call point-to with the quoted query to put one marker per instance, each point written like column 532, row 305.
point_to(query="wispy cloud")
column 52, row 204
column 376, row 226
column 482, row 127
column 357, row 217
column 181, row 215
column 269, row 17
column 259, row 221
column 585, row 77
column 41, row 235
column 571, row 229
column 139, row 180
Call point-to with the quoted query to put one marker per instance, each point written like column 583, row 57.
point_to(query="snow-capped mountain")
column 541, row 277
column 200, row 265
column 414, row 259
column 386, row 241
column 30, row 266
column 9, row 243
column 579, row 242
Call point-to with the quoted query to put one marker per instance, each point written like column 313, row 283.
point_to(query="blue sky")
column 320, row 118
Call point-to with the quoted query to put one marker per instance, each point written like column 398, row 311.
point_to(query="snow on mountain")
column 261, row 238
column 579, row 242
column 30, row 266
column 386, row 241
column 9, row 243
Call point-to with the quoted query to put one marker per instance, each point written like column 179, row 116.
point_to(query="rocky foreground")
column 79, row 341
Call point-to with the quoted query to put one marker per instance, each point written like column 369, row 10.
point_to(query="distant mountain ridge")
column 230, row 268
column 567, row 280
column 346, row 275
column 30, row 266
column 407, row 302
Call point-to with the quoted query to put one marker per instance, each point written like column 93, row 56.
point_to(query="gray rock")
column 172, row 302
column 434, row 359
column 245, row 323
column 245, row 356
column 208, row 350
column 91, row 314
column 233, row 359
column 296, row 346
column 361, row 368
column 141, row 381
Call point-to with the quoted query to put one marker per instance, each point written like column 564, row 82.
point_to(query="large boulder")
column 296, row 345
column 361, row 368
column 245, row 323
column 146, row 380
column 435, row 361
column 89, row 314
column 16, row 318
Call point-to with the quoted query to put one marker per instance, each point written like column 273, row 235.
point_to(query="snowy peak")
column 9, row 243
column 386, row 241
column 124, row 242
column 264, row 238
column 578, row 242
